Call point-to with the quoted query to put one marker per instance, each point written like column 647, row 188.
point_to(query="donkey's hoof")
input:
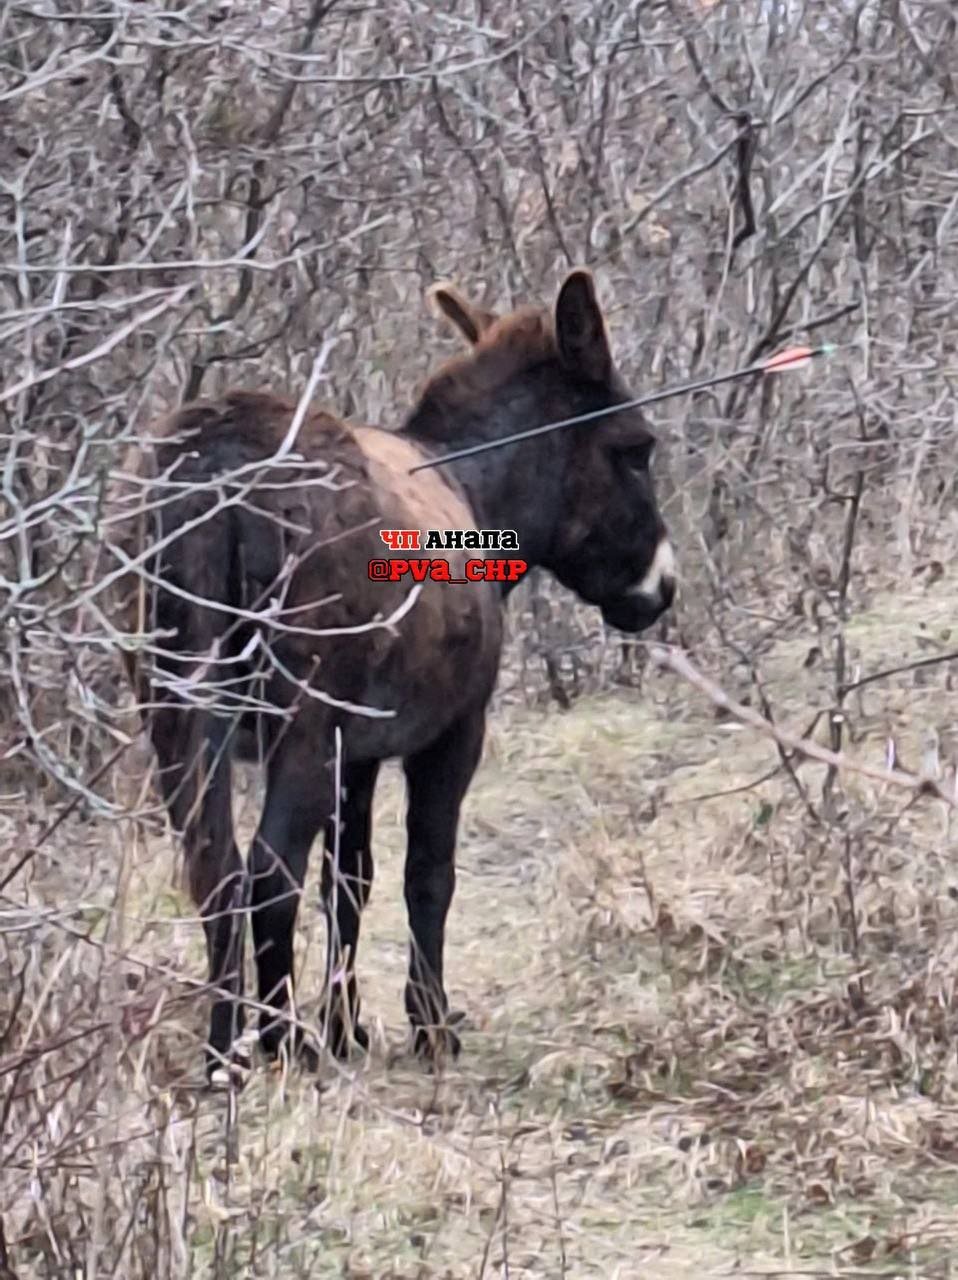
column 225, row 1072
column 278, row 1044
column 435, row 1044
column 228, row 1079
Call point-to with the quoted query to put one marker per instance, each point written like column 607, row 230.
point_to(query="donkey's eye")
column 637, row 456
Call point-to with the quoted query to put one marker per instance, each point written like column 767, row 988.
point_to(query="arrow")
column 791, row 358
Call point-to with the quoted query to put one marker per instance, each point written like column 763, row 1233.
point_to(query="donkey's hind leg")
column 299, row 799
column 437, row 780
column 347, row 881
column 195, row 779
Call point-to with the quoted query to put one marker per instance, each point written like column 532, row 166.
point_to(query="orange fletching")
column 792, row 358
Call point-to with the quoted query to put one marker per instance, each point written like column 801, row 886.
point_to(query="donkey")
column 252, row 576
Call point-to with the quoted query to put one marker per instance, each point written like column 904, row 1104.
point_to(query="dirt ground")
column 705, row 1036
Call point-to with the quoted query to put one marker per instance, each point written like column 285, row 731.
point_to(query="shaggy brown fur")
column 270, row 636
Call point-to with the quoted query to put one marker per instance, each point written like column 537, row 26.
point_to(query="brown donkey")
column 266, row 630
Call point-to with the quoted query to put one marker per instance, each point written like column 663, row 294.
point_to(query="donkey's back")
column 264, row 570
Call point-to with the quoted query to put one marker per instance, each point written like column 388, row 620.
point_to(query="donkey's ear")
column 472, row 322
column 580, row 329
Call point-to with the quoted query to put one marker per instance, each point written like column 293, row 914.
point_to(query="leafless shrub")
column 198, row 195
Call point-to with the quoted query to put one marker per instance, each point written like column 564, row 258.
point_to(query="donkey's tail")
column 194, row 592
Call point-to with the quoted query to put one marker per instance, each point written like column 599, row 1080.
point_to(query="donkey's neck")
column 513, row 488
column 516, row 487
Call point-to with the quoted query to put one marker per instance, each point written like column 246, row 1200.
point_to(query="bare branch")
column 674, row 660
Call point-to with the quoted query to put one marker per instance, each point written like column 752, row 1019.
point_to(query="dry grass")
column 706, row 1036
column 664, row 1073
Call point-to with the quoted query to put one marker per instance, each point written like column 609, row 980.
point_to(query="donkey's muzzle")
column 636, row 611
column 641, row 605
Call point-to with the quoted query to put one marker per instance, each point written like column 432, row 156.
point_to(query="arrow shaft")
column 654, row 397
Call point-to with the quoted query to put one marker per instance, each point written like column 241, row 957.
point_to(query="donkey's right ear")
column 472, row 322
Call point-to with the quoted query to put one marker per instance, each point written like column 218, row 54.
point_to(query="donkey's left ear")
column 580, row 329
column 472, row 322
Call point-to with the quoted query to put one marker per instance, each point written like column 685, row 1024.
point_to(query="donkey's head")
column 582, row 496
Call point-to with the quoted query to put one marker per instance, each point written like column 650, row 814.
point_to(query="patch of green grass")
column 772, row 980
column 734, row 1211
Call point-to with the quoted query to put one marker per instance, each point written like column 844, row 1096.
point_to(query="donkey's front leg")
column 437, row 780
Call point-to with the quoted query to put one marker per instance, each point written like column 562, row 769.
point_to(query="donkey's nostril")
column 667, row 591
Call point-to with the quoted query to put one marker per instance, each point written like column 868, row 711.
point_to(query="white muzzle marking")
column 662, row 567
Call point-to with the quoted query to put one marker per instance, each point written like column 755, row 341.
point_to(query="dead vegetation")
column 685, row 1054
column 710, row 984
